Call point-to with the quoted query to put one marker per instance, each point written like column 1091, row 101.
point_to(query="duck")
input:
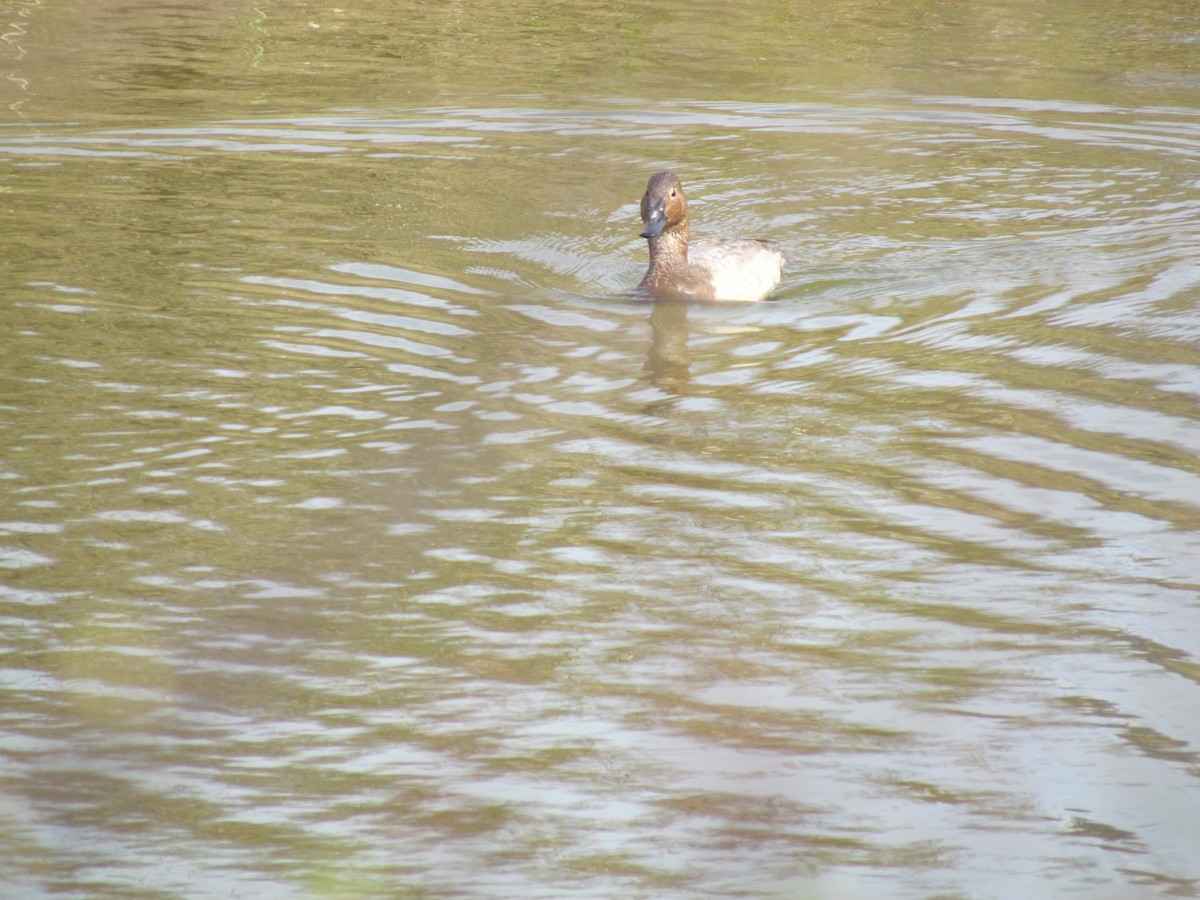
column 723, row 269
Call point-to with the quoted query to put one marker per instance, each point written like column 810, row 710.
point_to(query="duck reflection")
column 667, row 359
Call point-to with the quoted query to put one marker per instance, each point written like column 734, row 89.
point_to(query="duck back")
column 738, row 269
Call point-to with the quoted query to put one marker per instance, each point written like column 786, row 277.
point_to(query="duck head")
column 663, row 205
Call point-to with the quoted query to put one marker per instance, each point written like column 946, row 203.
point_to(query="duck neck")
column 668, row 253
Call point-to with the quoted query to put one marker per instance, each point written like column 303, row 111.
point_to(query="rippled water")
column 360, row 536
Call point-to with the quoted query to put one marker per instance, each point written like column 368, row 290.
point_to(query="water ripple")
column 357, row 492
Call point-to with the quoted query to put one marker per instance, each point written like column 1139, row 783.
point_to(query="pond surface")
column 360, row 536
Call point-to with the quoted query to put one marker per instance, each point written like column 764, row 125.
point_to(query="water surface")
column 359, row 536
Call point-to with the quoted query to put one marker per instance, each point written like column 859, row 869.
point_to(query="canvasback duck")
column 714, row 269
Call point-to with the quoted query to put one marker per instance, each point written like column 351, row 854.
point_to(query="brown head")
column 663, row 205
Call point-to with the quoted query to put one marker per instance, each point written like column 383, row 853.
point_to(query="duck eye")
column 672, row 193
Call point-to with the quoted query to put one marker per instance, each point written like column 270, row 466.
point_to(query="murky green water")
column 359, row 537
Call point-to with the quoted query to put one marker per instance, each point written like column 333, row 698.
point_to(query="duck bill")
column 656, row 221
